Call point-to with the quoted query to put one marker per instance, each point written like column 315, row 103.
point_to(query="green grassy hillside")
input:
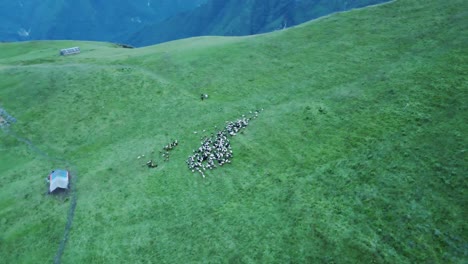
column 358, row 157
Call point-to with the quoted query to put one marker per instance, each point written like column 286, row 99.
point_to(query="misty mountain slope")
column 83, row 20
column 241, row 17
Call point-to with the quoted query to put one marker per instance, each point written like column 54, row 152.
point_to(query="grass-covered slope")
column 358, row 157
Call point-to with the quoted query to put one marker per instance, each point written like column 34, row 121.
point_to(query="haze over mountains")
column 147, row 22
column 241, row 17
column 84, row 19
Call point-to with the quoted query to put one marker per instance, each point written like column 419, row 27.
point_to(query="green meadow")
column 359, row 155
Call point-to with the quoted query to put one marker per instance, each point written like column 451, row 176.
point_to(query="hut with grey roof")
column 70, row 51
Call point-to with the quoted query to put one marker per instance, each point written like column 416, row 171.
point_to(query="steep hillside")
column 240, row 18
column 85, row 20
column 359, row 155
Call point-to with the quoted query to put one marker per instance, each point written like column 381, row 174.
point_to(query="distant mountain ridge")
column 85, row 19
column 147, row 22
column 241, row 17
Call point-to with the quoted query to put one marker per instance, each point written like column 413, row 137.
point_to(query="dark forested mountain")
column 146, row 22
column 83, row 19
column 241, row 17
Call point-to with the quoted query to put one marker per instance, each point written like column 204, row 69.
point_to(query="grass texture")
column 358, row 157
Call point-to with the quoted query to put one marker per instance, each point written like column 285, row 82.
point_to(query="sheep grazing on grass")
column 216, row 150
column 172, row 145
column 151, row 164
column 168, row 148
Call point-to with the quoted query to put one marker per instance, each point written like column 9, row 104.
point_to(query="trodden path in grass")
column 72, row 191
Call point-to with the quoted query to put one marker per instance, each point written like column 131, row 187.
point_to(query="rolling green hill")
column 359, row 155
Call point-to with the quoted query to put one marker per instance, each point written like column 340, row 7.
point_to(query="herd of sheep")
column 216, row 150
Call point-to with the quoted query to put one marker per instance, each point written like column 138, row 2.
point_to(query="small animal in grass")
column 171, row 145
column 151, row 164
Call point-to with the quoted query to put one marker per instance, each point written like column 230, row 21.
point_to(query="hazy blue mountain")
column 146, row 22
column 83, row 19
column 241, row 17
